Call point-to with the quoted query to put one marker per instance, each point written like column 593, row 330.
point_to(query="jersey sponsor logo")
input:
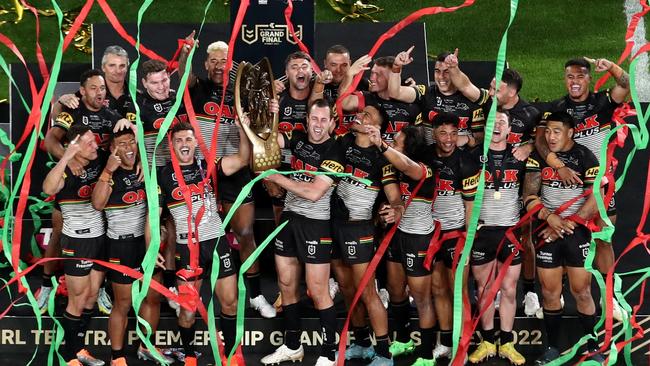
column 298, row 164
column 515, row 138
column 404, row 189
column 509, row 176
column 86, row 191
column 471, row 182
column 532, row 163
column 212, row 109
column 592, row 172
column 288, row 127
column 590, row 124
column 388, row 170
column 333, row 166
column 477, row 115
column 195, row 189
column 394, row 127
column 356, row 172
column 134, row 196
column 159, row 121
column 463, row 123
column 445, row 187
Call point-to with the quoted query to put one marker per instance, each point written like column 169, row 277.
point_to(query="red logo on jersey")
column 445, row 185
column 356, row 172
column 404, row 188
column 514, row 138
column 432, row 114
column 395, row 126
column 463, row 123
column 588, row 124
column 212, row 109
column 549, row 173
column 159, row 121
column 298, row 164
column 288, row 126
column 510, row 175
column 86, row 191
column 134, row 196
column 194, row 189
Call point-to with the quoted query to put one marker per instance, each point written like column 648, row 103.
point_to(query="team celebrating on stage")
column 401, row 154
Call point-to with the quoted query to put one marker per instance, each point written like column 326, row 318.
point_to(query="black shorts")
column 354, row 240
column 206, row 248
column 90, row 248
column 228, row 187
column 307, row 239
column 413, row 248
column 127, row 252
column 486, row 246
column 568, row 252
column 447, row 249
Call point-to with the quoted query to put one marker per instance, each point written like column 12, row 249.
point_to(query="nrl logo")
column 269, row 34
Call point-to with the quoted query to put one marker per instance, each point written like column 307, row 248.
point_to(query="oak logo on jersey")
column 509, row 176
column 86, row 191
column 588, row 127
column 287, row 127
column 134, row 196
column 195, row 189
column 212, row 109
column 445, row 187
column 515, row 138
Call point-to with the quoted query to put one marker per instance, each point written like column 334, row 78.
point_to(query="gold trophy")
column 254, row 86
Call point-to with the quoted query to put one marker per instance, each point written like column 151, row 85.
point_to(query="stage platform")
column 19, row 335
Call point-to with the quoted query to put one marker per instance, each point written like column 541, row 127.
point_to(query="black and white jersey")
column 458, row 178
column 311, row 157
column 80, row 219
column 101, row 122
column 201, row 197
column 524, row 118
column 504, row 176
column 331, row 94
column 399, row 114
column 126, row 209
column 416, row 218
column 152, row 115
column 206, row 100
column 593, row 118
column 367, row 163
column 470, row 113
column 292, row 117
column 554, row 193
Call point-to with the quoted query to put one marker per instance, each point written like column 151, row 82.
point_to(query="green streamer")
column 478, row 199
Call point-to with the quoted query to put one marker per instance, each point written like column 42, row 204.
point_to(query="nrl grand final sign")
column 264, row 32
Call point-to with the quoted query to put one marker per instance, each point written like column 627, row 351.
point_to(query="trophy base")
column 262, row 161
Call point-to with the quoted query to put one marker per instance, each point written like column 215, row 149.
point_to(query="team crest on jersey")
column 84, row 120
column 288, row 111
column 83, row 175
column 174, row 177
column 158, row 107
column 127, row 181
column 311, row 249
column 226, row 263
column 409, row 262
column 438, row 101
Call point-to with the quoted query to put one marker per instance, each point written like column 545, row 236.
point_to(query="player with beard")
column 567, row 239
column 82, row 237
column 307, row 237
column 353, row 231
column 205, row 230
column 452, row 208
column 206, row 100
column 452, row 92
column 337, row 62
column 399, row 114
column 592, row 113
column 121, row 195
column 492, row 247
column 91, row 111
column 524, row 118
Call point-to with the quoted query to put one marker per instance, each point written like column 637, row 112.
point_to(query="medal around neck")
column 254, row 90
